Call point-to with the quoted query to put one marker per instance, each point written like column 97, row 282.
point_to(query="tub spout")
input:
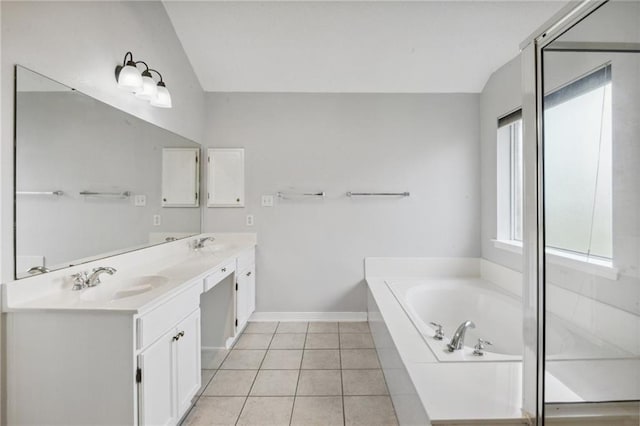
column 457, row 341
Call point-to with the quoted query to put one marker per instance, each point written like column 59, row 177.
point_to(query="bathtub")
column 497, row 315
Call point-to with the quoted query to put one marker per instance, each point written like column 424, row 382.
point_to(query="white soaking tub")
column 497, row 316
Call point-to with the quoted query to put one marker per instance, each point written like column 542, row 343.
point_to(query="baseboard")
column 308, row 316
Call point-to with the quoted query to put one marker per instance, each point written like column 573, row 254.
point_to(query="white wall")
column 501, row 95
column 311, row 251
column 80, row 44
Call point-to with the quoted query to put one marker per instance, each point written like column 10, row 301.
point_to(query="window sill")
column 601, row 268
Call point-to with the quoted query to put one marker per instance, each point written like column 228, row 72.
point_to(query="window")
column 578, row 169
column 510, row 181
column 578, row 166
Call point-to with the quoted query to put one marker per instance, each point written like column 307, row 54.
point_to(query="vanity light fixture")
column 127, row 74
column 142, row 84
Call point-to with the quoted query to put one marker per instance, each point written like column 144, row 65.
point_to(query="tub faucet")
column 457, row 341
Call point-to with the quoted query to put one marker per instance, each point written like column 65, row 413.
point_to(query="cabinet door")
column 242, row 299
column 180, row 177
column 156, row 388
column 187, row 361
column 225, row 184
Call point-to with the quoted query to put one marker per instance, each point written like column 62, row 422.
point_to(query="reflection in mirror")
column 592, row 208
column 88, row 179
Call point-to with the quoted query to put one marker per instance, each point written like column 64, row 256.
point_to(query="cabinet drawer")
column 157, row 322
column 223, row 272
column 246, row 259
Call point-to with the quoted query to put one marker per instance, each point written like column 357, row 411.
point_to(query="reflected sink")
column 122, row 289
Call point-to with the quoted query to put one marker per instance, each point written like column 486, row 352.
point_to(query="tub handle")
column 478, row 349
column 439, row 333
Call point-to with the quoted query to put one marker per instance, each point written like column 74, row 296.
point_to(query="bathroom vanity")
column 127, row 351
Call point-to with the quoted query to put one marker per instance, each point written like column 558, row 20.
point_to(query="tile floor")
column 295, row 373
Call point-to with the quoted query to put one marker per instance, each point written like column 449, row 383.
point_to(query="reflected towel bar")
column 58, row 193
column 124, row 194
column 300, row 194
column 378, row 194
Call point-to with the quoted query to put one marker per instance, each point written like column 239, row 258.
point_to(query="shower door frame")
column 533, row 370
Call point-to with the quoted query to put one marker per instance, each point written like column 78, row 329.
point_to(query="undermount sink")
column 122, row 289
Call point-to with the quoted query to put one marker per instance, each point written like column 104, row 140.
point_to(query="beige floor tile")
column 321, row 359
column 231, row 383
column 356, row 341
column 319, row 383
column 218, row 411
column 239, row 359
column 354, row 327
column 286, row 359
column 359, row 358
column 275, row 383
column 323, row 327
column 292, row 327
column 261, row 328
column 364, row 382
column 322, row 341
column 253, row 341
column 369, row 411
column 317, row 411
column 288, row 341
column 266, row 411
column 211, row 359
column 206, row 376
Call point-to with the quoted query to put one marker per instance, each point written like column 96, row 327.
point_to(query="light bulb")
column 163, row 98
column 149, row 88
column 129, row 77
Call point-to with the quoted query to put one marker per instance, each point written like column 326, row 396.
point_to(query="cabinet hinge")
column 196, row 160
column 196, row 196
column 208, row 196
column 236, row 286
column 236, row 322
column 139, row 375
column 208, row 159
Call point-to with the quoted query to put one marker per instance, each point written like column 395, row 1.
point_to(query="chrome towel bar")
column 378, row 194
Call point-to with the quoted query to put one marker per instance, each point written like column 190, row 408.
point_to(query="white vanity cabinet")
column 169, row 373
column 245, row 287
column 105, row 367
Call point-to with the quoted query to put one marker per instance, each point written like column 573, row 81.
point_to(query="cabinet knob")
column 249, row 273
column 224, row 269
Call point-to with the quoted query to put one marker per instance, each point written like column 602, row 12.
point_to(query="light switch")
column 249, row 220
column 157, row 220
column 267, row 201
column 140, row 200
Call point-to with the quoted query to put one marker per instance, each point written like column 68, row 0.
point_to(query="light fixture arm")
column 161, row 82
column 124, row 61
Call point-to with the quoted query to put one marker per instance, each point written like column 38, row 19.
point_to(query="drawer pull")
column 249, row 273
column 178, row 336
column 224, row 269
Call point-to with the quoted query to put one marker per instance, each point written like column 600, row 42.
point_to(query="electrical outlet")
column 157, row 220
column 267, row 201
column 249, row 220
column 140, row 200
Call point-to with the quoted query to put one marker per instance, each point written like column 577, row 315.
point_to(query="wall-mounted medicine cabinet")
column 225, row 183
column 180, row 177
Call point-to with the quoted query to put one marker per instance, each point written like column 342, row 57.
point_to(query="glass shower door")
column 591, row 186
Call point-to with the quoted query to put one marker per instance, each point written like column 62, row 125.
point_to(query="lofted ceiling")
column 352, row 47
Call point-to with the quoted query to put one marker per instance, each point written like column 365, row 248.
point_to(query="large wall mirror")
column 89, row 179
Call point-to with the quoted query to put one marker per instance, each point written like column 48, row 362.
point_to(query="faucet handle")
column 79, row 281
column 479, row 347
column 439, row 333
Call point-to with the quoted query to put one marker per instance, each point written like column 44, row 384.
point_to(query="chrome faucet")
column 199, row 242
column 457, row 341
column 94, row 279
column 38, row 270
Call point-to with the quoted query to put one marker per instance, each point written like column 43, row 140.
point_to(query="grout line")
column 295, row 393
column 256, row 376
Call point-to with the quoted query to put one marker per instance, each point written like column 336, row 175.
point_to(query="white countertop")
column 177, row 264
